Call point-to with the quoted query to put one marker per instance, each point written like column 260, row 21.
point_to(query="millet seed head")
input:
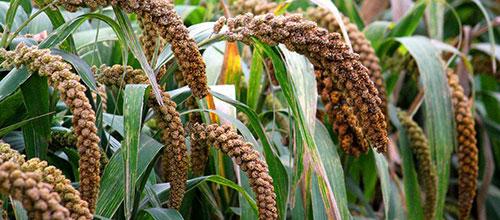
column 61, row 76
column 467, row 148
column 426, row 168
column 229, row 142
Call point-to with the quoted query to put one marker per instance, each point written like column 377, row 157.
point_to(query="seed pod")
column 199, row 149
column 345, row 123
column 70, row 197
column 67, row 139
column 360, row 45
column 426, row 168
column 199, row 152
column 229, row 142
column 101, row 91
column 171, row 28
column 37, row 197
column 7, row 154
column 118, row 76
column 325, row 51
column 467, row 149
column 62, row 78
column 150, row 39
column 60, row 139
column 256, row 7
column 174, row 160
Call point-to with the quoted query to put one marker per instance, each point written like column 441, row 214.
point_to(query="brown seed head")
column 62, row 78
column 325, row 51
column 229, row 142
column 70, row 197
column 360, row 45
column 170, row 27
column 467, row 149
column 175, row 163
column 37, row 197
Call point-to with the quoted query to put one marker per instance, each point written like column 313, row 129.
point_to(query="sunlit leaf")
column 439, row 119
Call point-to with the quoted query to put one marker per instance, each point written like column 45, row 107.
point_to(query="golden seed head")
column 72, row 92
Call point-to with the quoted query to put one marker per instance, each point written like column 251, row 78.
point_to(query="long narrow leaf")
column 132, row 114
column 162, row 188
column 12, row 81
column 110, row 198
column 36, row 133
column 439, row 119
column 161, row 214
column 304, row 130
column 136, row 49
column 333, row 166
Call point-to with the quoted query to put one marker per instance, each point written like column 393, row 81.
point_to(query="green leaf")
column 410, row 179
column 57, row 19
column 36, row 133
column 438, row 115
column 110, row 198
column 333, row 167
column 20, row 17
column 81, row 67
column 136, row 48
column 26, row 4
column 409, row 23
column 491, row 35
column 162, row 188
column 132, row 114
column 302, row 123
column 10, row 83
column 385, row 184
column 303, row 81
column 376, row 33
column 162, row 214
column 435, row 19
column 19, row 212
column 349, row 8
column 405, row 27
column 10, row 128
column 9, row 19
column 255, row 80
column 65, row 31
column 12, row 109
column 319, row 210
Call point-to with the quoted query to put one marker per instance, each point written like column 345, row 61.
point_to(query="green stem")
column 25, row 23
